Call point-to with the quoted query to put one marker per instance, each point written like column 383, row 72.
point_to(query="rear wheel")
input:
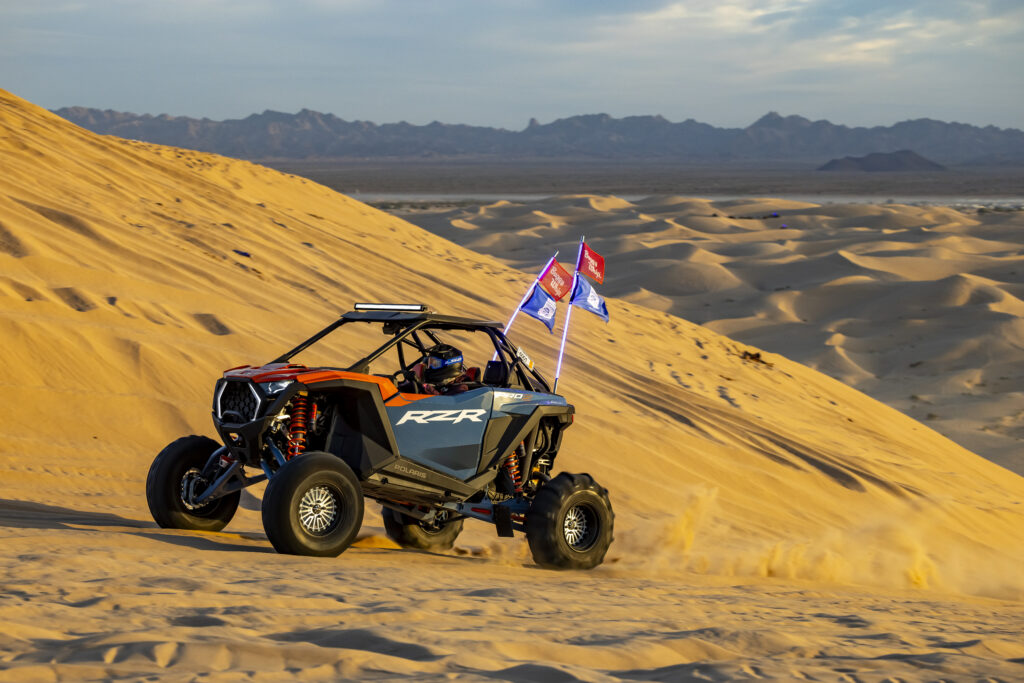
column 569, row 525
column 439, row 534
column 175, row 476
column 313, row 506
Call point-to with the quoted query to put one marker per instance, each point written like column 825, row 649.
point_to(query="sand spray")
column 913, row 549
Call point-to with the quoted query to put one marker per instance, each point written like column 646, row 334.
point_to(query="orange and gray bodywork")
column 407, row 449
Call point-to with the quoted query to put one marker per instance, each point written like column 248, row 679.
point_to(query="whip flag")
column 542, row 307
column 587, row 298
column 539, row 301
column 556, row 281
column 591, row 264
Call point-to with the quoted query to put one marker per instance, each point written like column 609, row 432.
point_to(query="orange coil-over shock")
column 297, row 426
column 512, row 469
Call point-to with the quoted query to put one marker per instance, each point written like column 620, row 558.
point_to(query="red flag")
column 592, row 264
column 557, row 282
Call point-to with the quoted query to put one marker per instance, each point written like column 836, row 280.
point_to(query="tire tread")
column 542, row 522
column 164, row 505
column 278, row 498
column 406, row 532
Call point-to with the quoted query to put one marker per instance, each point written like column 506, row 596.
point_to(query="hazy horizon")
column 296, row 111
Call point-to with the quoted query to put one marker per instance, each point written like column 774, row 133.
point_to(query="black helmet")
column 444, row 363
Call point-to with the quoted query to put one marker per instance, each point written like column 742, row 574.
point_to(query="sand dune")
column 920, row 307
column 771, row 521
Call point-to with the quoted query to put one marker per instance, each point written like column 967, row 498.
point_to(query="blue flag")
column 586, row 297
column 542, row 307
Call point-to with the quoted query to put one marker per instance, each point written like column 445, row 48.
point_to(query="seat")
column 495, row 374
column 417, row 386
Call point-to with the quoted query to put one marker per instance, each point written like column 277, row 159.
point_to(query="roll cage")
column 510, row 367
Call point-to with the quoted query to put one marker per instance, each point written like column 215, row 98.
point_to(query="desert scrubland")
column 771, row 521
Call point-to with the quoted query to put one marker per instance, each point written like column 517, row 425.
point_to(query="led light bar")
column 412, row 308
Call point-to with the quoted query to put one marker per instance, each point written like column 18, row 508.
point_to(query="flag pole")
column 568, row 314
column 529, row 291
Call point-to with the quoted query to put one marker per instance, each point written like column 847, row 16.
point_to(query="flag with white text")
column 592, row 264
column 556, row 281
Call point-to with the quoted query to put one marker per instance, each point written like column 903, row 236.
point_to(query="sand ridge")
column 132, row 275
column 920, row 307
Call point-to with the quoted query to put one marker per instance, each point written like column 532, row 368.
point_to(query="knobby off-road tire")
column 313, row 506
column 411, row 533
column 166, row 482
column 569, row 525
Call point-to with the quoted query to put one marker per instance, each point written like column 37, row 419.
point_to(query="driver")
column 443, row 364
column 443, row 371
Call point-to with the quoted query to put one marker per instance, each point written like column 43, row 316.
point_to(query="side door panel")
column 444, row 432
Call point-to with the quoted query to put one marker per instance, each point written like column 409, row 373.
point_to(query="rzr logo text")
column 454, row 416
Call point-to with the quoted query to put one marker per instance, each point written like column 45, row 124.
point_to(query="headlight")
column 271, row 388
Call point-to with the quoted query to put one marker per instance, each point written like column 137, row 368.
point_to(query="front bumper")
column 244, row 437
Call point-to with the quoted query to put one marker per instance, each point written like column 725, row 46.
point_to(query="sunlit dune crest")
column 920, row 307
column 765, row 513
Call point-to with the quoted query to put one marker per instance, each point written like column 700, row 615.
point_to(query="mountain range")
column 886, row 162
column 314, row 135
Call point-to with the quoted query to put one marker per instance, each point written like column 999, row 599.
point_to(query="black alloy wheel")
column 313, row 506
column 570, row 522
column 175, row 479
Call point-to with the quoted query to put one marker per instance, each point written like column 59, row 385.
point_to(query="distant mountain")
column 903, row 160
column 312, row 135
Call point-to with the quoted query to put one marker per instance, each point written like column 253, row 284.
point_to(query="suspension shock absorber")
column 297, row 426
column 512, row 469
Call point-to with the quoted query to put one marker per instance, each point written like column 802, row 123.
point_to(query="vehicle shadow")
column 201, row 540
column 18, row 514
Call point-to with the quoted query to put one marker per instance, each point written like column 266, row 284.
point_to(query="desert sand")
column 770, row 521
column 918, row 306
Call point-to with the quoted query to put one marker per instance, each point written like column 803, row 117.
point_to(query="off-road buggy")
column 325, row 437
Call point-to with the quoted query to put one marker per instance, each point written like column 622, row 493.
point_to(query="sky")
column 502, row 62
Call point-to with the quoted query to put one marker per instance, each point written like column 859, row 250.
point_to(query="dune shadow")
column 662, row 408
column 543, row 673
column 683, row 673
column 361, row 639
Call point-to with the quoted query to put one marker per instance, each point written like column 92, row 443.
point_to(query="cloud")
column 503, row 61
column 742, row 40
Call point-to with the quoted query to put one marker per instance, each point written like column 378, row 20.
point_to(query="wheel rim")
column 192, row 484
column 318, row 510
column 580, row 527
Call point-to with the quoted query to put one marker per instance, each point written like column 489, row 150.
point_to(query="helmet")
column 444, row 363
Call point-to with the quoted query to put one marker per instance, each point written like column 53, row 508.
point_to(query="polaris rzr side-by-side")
column 433, row 440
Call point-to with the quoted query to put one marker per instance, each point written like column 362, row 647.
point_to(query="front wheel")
column 569, row 525
column 175, row 476
column 439, row 534
column 313, row 506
